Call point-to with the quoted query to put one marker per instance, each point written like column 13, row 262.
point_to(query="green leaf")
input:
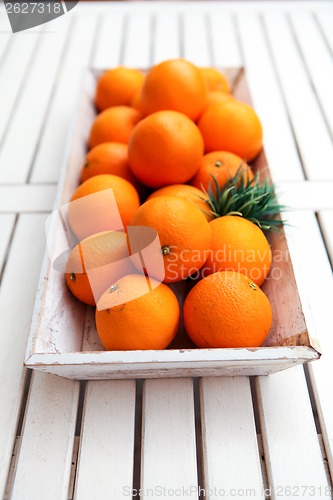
column 253, row 199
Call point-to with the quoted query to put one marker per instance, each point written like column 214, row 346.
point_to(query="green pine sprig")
column 253, row 199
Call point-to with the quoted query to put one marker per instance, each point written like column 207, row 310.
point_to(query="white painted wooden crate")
column 63, row 338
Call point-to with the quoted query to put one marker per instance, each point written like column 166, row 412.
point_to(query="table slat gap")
column 26, row 252
column 138, row 425
column 230, row 446
column 8, row 225
column 286, row 419
column 301, row 100
column 269, row 99
column 107, row 436
column 32, row 106
column 109, row 43
column 12, row 84
column 167, row 26
column 198, row 436
column 325, row 21
column 45, row 458
column 12, row 468
column 317, row 62
column 137, row 43
column 168, row 425
column 263, row 466
column 77, row 57
column 73, row 468
column 325, row 218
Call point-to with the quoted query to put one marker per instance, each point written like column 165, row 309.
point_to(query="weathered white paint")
column 17, row 293
column 12, row 76
column 108, row 45
column 26, row 198
column 305, row 114
column 229, row 440
column 168, row 455
column 18, row 150
column 44, row 464
column 318, row 60
column 7, row 222
column 292, row 452
column 105, row 462
column 268, row 100
column 138, row 42
column 76, row 58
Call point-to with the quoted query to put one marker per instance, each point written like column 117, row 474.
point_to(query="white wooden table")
column 231, row 436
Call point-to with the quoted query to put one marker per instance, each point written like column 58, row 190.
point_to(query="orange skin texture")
column 216, row 81
column 116, row 87
column 84, row 263
column 114, row 125
column 136, row 101
column 189, row 193
column 227, row 310
column 222, row 165
column 216, row 97
column 176, row 85
column 232, row 126
column 182, row 229
column 165, row 148
column 150, row 321
column 108, row 158
column 239, row 245
column 96, row 216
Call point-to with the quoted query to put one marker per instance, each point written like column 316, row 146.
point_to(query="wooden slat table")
column 268, row 437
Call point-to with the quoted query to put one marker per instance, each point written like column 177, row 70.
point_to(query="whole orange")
column 96, row 263
column 227, row 309
column 222, row 165
column 165, row 148
column 114, row 125
column 232, row 126
column 190, row 193
column 108, row 158
column 184, row 233
column 116, row 87
column 216, row 81
column 147, row 317
column 239, row 245
column 176, row 85
column 97, row 213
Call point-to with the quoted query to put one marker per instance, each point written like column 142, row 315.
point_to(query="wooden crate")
column 63, row 338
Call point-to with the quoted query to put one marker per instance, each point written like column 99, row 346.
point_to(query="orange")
column 113, row 125
column 97, row 213
column 165, row 148
column 190, row 193
column 216, row 81
column 176, row 85
column 147, row 317
column 232, row 126
column 108, row 158
column 227, row 309
column 216, row 97
column 222, row 165
column 239, row 245
column 184, row 233
column 136, row 101
column 117, row 87
column 96, row 263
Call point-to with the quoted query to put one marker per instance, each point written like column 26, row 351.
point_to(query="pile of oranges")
column 158, row 140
